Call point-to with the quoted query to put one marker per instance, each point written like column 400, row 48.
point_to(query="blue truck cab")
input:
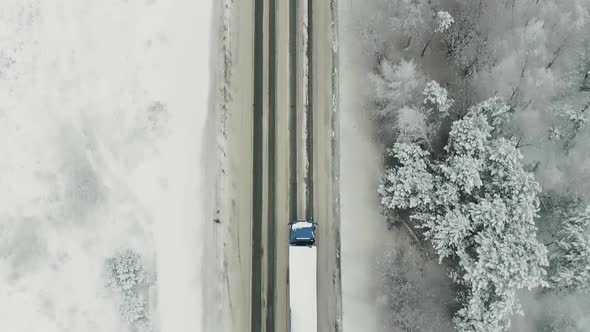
column 302, row 233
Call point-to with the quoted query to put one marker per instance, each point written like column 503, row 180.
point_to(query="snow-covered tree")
column 556, row 207
column 571, row 261
column 406, row 107
column 411, row 125
column 395, row 87
column 410, row 19
column 437, row 97
column 411, row 297
column 562, row 324
column 410, row 184
column 571, row 108
column 498, row 114
column 372, row 35
column 125, row 271
column 477, row 207
column 389, row 23
column 572, row 119
column 442, row 23
column 466, row 38
column 418, row 122
column 134, row 311
column 126, row 275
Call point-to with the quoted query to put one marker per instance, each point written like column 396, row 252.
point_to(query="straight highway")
column 279, row 160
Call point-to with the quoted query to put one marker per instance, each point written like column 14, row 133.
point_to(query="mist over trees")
column 482, row 110
column 408, row 299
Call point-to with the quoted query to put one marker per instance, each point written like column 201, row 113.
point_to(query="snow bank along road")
column 323, row 93
column 279, row 158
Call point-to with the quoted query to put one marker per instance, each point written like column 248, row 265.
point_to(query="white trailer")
column 302, row 289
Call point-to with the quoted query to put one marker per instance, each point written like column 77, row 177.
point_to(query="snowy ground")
column 363, row 231
column 102, row 108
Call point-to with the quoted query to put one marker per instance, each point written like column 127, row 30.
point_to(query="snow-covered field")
column 363, row 230
column 102, row 111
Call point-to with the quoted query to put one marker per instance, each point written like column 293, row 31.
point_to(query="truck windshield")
column 302, row 234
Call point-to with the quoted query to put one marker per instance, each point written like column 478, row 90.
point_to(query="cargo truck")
column 302, row 233
column 302, row 276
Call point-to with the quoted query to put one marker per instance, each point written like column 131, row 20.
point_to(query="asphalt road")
column 277, row 319
column 278, row 158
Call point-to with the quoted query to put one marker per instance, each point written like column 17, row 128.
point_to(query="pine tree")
column 410, row 184
column 571, row 261
column 410, row 19
column 437, row 97
column 443, row 22
column 396, row 87
column 407, row 108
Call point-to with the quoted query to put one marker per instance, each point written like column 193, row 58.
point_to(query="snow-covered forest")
column 480, row 109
